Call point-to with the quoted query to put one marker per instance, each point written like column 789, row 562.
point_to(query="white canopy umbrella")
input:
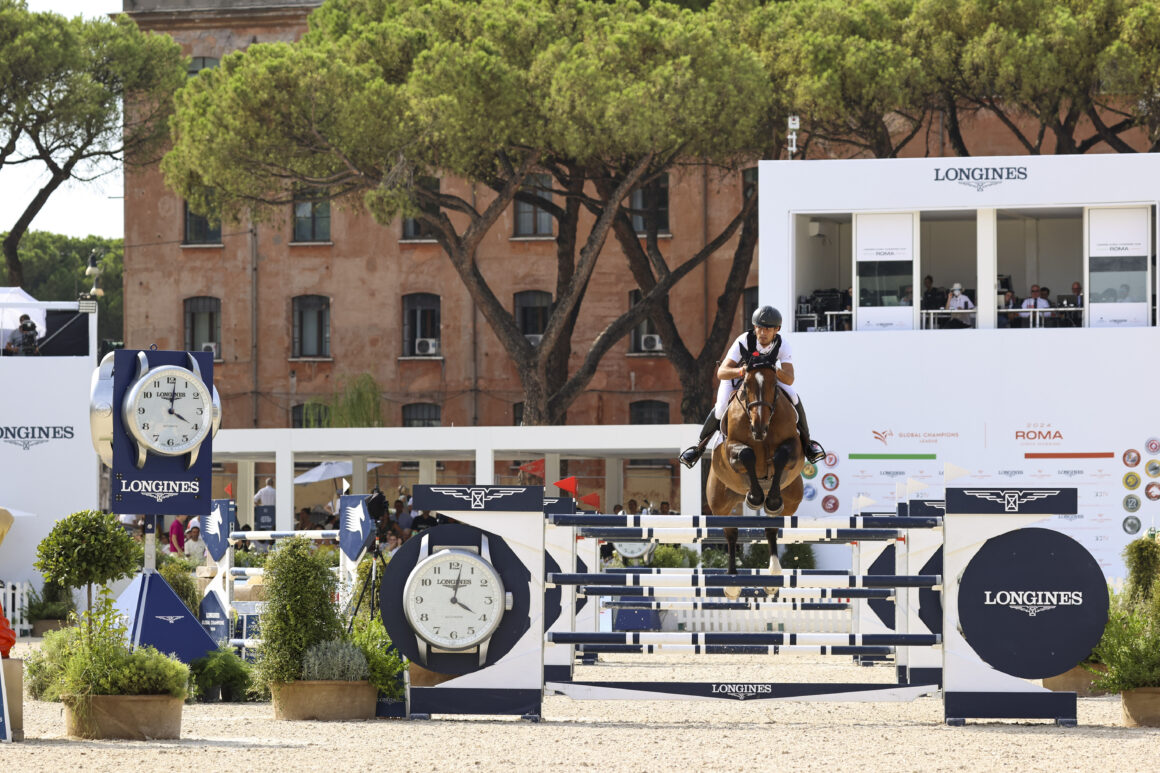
column 329, row 470
column 8, row 517
column 10, row 315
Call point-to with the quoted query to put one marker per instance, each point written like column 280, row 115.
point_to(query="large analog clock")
column 454, row 599
column 168, row 410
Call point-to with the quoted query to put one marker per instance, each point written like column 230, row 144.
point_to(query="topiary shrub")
column 384, row 666
column 299, row 611
column 183, row 583
column 1142, row 557
column 337, row 661
column 221, row 669
column 86, row 548
column 673, row 556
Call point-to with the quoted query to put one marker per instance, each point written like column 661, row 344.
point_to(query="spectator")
column 1032, row 301
column 177, row 535
column 305, row 520
column 23, row 340
column 392, row 545
column 1077, row 291
column 1006, row 317
column 1125, row 295
column 403, row 515
column 958, row 301
column 425, row 520
column 266, row 495
column 665, row 508
column 633, row 508
column 907, row 297
column 618, row 509
column 1045, row 296
column 194, row 547
column 243, row 544
column 931, row 295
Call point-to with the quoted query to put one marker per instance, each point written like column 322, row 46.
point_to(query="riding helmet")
column 766, row 316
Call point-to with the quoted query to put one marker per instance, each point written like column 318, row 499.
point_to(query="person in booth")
column 958, row 301
column 763, row 341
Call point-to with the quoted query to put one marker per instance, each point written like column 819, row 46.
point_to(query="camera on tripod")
column 26, row 346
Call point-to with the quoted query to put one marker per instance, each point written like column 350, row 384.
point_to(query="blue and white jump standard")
column 982, row 629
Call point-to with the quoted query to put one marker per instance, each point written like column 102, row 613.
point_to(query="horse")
column 761, row 445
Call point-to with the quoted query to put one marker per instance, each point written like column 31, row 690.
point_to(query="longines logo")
column 742, row 690
column 1011, row 499
column 160, row 490
column 980, row 177
column 1032, row 602
column 28, row 436
column 479, row 497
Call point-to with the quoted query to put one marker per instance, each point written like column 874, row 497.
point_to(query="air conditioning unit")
column 211, row 346
column 426, row 346
column 534, row 338
column 651, row 342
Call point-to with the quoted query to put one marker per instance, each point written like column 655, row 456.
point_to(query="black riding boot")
column 692, row 455
column 811, row 448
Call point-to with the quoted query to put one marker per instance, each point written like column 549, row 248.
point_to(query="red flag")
column 568, row 484
column 535, row 467
column 592, row 499
column 230, row 490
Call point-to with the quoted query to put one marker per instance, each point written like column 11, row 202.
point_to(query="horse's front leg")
column 774, row 562
column 743, row 455
column 732, row 591
column 781, row 457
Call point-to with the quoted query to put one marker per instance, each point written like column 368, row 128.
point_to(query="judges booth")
column 848, row 244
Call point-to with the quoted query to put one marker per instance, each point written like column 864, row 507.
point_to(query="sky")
column 75, row 209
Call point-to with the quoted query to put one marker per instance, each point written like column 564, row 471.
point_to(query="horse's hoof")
column 752, row 500
column 733, row 592
column 772, row 510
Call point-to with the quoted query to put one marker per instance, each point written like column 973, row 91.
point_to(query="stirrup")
column 691, row 455
column 814, row 452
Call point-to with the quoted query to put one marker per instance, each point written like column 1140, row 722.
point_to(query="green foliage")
column 384, row 667
column 96, row 660
column 221, row 668
column 1142, row 557
column 370, row 601
column 53, row 602
column 54, row 270
column 299, row 611
column 44, row 666
column 755, row 556
column 65, row 82
column 714, row 558
column 672, row 556
column 357, row 402
column 249, row 558
column 798, row 556
column 1130, row 646
column 328, row 554
column 86, row 548
column 335, row 660
column 183, row 583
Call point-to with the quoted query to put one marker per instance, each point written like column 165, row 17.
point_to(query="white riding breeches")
column 726, row 389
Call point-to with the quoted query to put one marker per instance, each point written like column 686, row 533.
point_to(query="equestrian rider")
column 762, row 342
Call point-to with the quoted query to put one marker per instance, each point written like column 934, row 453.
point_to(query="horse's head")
column 758, row 393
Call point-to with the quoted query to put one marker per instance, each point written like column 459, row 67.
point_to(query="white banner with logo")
column 1119, row 243
column 883, row 238
column 1010, row 408
column 47, row 463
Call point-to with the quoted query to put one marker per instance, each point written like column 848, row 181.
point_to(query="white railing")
column 759, row 620
column 14, row 597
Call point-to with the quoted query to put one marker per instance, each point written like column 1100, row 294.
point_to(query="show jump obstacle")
column 493, row 600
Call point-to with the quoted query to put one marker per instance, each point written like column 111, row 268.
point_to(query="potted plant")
column 49, row 608
column 1130, row 647
column 109, row 690
column 305, row 658
column 220, row 676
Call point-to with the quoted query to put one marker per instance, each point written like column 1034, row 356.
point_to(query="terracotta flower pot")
column 1141, row 707
column 324, row 700
column 1077, row 680
column 134, row 717
column 14, row 687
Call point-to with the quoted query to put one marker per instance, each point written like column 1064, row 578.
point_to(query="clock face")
column 631, row 549
column 169, row 411
column 454, row 599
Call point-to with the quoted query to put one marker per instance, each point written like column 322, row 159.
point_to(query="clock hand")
column 178, row 415
column 461, row 604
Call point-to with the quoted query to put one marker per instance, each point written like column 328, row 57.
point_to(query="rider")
column 761, row 342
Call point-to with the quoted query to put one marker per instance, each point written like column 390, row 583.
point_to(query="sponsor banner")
column 1032, row 603
column 493, row 498
column 264, row 518
column 560, row 505
column 165, row 485
column 217, row 525
column 1002, row 501
column 355, row 524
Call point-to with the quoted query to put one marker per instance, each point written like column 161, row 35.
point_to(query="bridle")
column 743, row 394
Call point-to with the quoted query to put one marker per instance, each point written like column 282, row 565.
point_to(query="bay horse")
column 761, row 446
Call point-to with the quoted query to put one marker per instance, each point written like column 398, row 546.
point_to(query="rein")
column 743, row 392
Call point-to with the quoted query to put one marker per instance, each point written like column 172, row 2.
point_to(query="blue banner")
column 355, row 525
column 264, row 518
column 1025, row 501
column 166, row 485
column 214, row 619
column 159, row 618
column 444, row 499
column 216, row 527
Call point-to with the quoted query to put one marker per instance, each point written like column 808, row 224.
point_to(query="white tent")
column 13, row 303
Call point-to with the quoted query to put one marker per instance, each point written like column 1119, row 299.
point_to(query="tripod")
column 376, row 553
